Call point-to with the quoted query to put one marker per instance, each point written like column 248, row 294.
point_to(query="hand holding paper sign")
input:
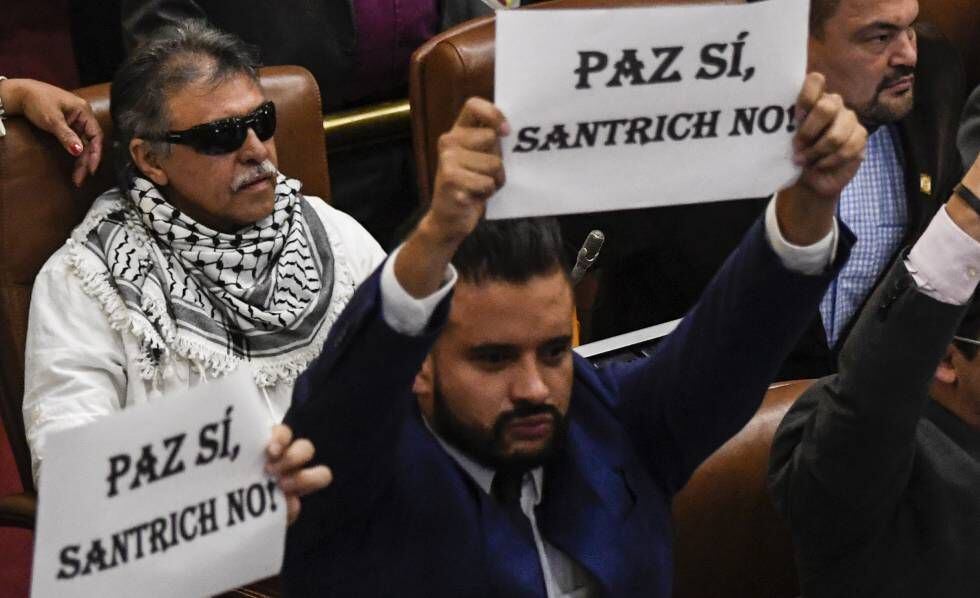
column 830, row 141
column 641, row 107
column 470, row 171
column 173, row 498
column 829, row 145
column 285, row 459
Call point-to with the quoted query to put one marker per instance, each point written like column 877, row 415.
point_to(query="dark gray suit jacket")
column 968, row 138
column 881, row 486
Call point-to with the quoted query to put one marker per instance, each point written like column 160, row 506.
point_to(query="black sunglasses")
column 228, row 134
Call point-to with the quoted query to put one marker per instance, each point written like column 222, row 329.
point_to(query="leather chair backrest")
column 457, row 64
column 728, row 539
column 39, row 206
column 959, row 20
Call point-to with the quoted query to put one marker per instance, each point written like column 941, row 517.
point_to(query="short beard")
column 488, row 450
column 877, row 113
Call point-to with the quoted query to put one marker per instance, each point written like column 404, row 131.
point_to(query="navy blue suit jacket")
column 403, row 519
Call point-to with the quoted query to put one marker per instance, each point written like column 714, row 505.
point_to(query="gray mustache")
column 261, row 171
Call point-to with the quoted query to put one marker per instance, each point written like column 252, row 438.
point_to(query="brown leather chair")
column 728, row 539
column 39, row 207
column 457, row 64
column 959, row 20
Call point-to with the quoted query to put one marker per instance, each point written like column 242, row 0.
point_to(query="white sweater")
column 78, row 368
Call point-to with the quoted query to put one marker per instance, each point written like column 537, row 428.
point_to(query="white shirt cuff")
column 945, row 261
column 402, row 312
column 804, row 259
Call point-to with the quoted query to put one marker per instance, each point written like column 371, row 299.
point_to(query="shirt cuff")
column 402, row 312
column 945, row 261
column 804, row 259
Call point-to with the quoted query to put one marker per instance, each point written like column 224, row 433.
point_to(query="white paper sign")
column 639, row 107
column 167, row 499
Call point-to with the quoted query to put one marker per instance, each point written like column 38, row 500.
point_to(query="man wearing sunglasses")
column 204, row 260
column 877, row 469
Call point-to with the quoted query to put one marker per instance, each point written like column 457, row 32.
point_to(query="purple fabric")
column 388, row 31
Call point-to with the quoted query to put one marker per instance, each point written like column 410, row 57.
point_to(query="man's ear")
column 423, row 384
column 424, row 388
column 946, row 371
column 147, row 161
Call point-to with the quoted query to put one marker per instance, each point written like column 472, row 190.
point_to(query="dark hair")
column 511, row 250
column 166, row 62
column 820, row 11
column 969, row 328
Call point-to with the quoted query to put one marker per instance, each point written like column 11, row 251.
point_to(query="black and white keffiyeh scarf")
column 261, row 294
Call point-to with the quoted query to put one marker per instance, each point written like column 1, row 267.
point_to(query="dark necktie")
column 506, row 489
column 515, row 569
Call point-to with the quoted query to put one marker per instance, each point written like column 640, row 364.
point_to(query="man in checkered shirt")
column 906, row 87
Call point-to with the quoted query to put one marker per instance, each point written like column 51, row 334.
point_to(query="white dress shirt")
column 408, row 315
column 79, row 368
column 945, row 264
column 564, row 578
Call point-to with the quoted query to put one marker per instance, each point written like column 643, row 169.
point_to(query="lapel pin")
column 925, row 183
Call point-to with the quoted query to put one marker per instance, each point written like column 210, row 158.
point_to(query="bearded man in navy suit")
column 475, row 455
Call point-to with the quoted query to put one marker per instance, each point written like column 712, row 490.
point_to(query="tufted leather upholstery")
column 39, row 207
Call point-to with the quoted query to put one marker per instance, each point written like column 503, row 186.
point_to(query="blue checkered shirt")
column 873, row 206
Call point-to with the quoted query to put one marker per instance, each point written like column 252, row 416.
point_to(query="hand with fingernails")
column 830, row 141
column 469, row 172
column 63, row 114
column 286, row 460
column 829, row 145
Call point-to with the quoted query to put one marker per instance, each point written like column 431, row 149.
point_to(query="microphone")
column 587, row 255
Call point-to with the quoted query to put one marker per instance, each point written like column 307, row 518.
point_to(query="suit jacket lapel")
column 585, row 502
column 512, row 557
column 921, row 206
column 512, row 567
